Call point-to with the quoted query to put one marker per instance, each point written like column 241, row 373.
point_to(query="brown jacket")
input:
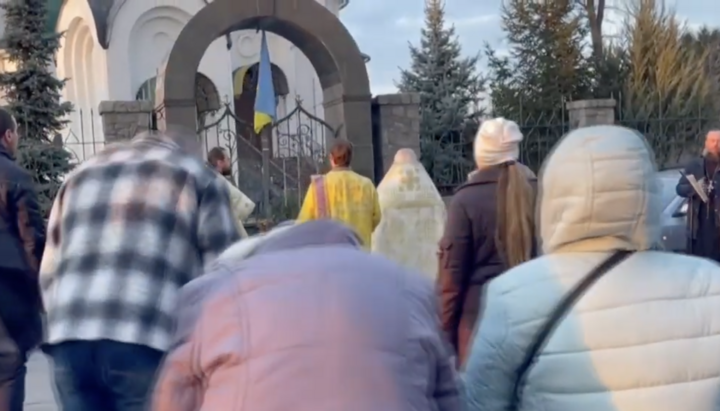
column 468, row 255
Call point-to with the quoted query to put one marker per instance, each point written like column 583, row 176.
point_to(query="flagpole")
column 265, row 136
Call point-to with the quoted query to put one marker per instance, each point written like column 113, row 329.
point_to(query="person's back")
column 22, row 241
column 310, row 322
column 220, row 161
column 343, row 195
column 413, row 215
column 490, row 228
column 642, row 337
column 129, row 228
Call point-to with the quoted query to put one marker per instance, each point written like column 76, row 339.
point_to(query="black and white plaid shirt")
column 128, row 228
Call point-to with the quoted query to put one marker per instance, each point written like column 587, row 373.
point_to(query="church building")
column 114, row 49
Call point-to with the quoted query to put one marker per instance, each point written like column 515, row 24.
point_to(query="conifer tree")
column 545, row 62
column 33, row 94
column 669, row 91
column 450, row 90
column 543, row 69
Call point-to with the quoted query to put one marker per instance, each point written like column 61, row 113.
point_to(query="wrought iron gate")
column 274, row 167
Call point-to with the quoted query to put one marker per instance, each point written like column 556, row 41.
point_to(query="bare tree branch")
column 595, row 14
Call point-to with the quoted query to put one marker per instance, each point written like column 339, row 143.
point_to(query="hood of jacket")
column 599, row 191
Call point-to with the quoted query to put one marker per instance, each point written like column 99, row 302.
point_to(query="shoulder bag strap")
column 321, row 196
column 557, row 315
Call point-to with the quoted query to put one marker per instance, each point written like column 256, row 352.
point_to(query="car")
column 674, row 237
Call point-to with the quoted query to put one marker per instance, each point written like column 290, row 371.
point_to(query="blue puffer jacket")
column 645, row 337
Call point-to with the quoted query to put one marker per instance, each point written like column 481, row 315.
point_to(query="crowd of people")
column 526, row 292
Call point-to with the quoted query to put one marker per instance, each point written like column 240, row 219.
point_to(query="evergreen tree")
column 33, row 94
column 671, row 75
column 544, row 69
column 450, row 90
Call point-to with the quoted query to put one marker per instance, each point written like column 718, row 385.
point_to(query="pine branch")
column 450, row 90
column 33, row 93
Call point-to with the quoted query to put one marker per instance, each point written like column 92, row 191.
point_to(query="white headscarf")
column 497, row 142
column 405, row 156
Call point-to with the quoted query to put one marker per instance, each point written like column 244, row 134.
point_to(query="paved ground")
column 38, row 389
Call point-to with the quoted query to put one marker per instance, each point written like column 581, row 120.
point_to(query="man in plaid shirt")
column 128, row 228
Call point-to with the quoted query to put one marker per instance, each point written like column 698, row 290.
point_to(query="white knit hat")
column 497, row 141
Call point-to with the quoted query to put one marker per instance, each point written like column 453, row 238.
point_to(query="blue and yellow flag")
column 265, row 97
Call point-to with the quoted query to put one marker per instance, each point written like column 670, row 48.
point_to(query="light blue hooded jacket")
column 645, row 337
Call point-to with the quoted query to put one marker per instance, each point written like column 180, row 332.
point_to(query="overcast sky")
column 383, row 29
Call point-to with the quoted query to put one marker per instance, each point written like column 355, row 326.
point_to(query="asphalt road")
column 38, row 387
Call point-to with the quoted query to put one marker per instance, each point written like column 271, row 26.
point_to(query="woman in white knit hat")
column 490, row 228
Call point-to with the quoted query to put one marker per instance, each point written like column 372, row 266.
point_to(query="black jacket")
column 696, row 168
column 22, row 241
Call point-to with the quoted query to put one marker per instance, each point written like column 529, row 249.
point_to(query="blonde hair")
column 515, row 230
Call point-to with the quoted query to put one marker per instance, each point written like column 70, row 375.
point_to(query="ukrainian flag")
column 265, row 96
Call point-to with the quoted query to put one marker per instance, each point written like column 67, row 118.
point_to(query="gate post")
column 585, row 113
column 123, row 120
column 396, row 125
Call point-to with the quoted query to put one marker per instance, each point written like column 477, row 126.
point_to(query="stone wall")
column 396, row 125
column 584, row 113
column 123, row 120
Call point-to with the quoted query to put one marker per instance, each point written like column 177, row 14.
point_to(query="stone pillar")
column 396, row 125
column 184, row 112
column 123, row 120
column 584, row 113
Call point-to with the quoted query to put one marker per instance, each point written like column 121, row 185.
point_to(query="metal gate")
column 274, row 167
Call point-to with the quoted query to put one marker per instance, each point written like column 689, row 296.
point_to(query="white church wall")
column 150, row 41
column 83, row 62
column 143, row 34
column 310, row 94
column 333, row 5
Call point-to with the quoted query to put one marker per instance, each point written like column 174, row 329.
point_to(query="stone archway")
column 310, row 27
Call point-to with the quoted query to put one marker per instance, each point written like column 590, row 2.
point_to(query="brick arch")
column 311, row 28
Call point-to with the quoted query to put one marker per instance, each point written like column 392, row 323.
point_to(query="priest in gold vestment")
column 413, row 215
column 343, row 195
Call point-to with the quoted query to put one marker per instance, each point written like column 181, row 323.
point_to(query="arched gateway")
column 310, row 27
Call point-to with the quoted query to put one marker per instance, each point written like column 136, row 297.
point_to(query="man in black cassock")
column 703, row 219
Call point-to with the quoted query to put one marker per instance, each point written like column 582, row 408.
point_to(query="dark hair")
column 7, row 122
column 215, row 155
column 341, row 153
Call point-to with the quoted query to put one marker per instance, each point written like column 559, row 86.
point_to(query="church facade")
column 114, row 50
